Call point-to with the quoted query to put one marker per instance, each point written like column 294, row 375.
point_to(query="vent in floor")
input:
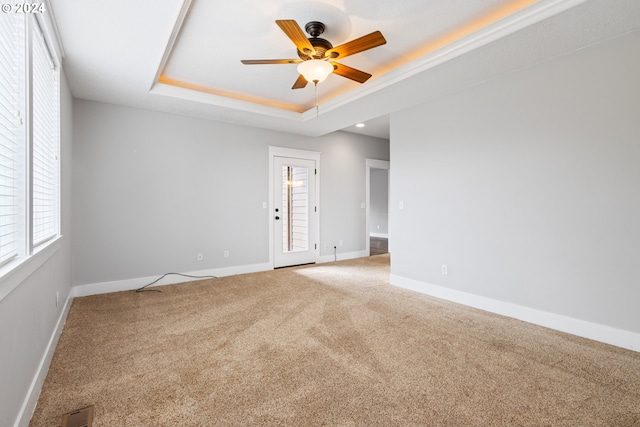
column 80, row 418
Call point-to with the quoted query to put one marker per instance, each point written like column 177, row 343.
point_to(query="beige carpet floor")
column 326, row 345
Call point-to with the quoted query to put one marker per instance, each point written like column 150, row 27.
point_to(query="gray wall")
column 379, row 200
column 151, row 190
column 28, row 315
column 527, row 187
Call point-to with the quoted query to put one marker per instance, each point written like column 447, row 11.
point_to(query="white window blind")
column 45, row 143
column 12, row 80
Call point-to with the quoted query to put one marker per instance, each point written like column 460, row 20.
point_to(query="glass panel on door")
column 295, row 220
column 295, row 208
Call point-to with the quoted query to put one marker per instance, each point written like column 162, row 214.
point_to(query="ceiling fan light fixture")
column 315, row 70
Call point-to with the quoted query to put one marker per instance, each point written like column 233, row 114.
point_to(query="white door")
column 295, row 213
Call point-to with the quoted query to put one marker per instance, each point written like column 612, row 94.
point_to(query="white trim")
column 372, row 164
column 582, row 328
column 52, row 28
column 184, row 10
column 136, row 283
column 275, row 151
column 50, row 33
column 380, row 235
column 294, row 153
column 31, row 399
column 15, row 272
column 225, row 102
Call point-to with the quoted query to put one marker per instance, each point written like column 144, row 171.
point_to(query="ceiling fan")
column 319, row 55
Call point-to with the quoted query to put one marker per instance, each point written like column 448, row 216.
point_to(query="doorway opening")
column 377, row 194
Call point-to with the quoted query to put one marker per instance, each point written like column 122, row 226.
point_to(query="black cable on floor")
column 142, row 289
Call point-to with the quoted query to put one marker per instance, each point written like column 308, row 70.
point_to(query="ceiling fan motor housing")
column 315, row 28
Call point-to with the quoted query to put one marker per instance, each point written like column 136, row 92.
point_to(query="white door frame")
column 373, row 164
column 296, row 154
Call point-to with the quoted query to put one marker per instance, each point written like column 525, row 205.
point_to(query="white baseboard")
column 138, row 282
column 131, row 284
column 380, row 235
column 29, row 404
column 342, row 256
column 594, row 331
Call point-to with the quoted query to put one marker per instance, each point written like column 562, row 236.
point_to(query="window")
column 44, row 142
column 12, row 81
column 29, row 139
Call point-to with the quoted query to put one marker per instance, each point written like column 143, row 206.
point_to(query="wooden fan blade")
column 300, row 82
column 270, row 61
column 350, row 73
column 357, row 45
column 295, row 33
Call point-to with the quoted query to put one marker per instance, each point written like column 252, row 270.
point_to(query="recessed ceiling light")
column 360, row 125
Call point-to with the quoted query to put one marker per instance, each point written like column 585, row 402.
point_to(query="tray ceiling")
column 183, row 56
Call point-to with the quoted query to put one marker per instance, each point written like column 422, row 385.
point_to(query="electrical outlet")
column 444, row 269
column 199, row 256
column 340, row 244
column 57, row 298
column 401, row 205
column 226, row 254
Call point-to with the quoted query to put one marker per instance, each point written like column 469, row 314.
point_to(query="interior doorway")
column 377, row 204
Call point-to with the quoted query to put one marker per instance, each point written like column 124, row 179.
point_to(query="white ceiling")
column 116, row 51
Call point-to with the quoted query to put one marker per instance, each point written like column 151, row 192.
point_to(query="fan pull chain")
column 317, row 113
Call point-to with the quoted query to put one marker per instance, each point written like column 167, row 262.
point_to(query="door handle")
column 277, row 218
